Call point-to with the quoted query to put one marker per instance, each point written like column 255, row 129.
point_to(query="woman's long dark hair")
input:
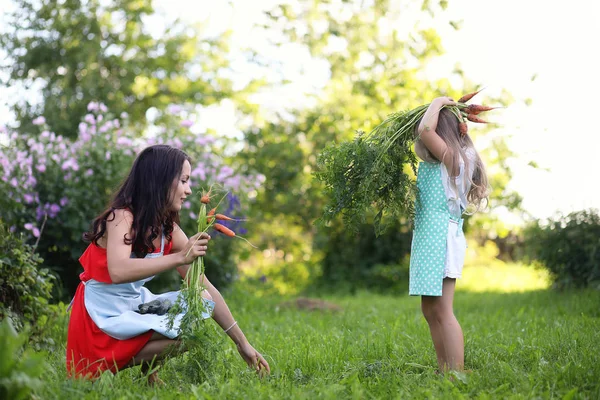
column 146, row 193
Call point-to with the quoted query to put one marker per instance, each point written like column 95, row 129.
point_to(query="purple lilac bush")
column 53, row 187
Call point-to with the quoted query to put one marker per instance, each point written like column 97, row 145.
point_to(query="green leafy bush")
column 569, row 247
column 24, row 287
column 365, row 260
column 20, row 368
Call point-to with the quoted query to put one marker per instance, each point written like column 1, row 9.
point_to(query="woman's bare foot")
column 154, row 380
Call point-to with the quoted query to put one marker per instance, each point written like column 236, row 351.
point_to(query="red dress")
column 90, row 351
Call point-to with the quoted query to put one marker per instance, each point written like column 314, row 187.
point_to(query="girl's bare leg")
column 445, row 330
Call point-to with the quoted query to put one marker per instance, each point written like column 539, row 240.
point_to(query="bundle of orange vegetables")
column 193, row 284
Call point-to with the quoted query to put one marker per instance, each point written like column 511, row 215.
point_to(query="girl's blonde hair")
column 447, row 129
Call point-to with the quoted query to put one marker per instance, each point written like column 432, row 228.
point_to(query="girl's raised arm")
column 434, row 143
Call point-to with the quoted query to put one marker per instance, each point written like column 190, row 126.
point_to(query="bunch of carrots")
column 403, row 124
column 470, row 112
column 194, row 282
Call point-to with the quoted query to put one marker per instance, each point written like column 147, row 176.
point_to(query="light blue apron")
column 113, row 307
column 430, row 236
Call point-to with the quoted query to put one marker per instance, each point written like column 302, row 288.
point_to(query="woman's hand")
column 253, row 358
column 194, row 248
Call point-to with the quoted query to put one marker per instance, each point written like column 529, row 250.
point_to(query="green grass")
column 519, row 345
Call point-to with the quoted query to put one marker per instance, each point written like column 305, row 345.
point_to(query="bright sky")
column 500, row 45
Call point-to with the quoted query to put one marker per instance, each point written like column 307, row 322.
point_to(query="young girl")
column 450, row 178
column 136, row 238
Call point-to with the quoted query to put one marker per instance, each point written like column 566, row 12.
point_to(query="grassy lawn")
column 522, row 344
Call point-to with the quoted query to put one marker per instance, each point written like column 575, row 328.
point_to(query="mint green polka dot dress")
column 428, row 248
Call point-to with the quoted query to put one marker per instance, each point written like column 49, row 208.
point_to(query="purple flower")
column 174, row 109
column 36, row 232
column 89, row 118
column 71, row 163
column 64, row 201
column 124, row 115
column 54, row 209
column 39, row 213
column 192, row 215
column 104, row 128
column 89, row 172
column 202, row 141
column 199, row 172
column 83, row 132
column 103, row 107
column 28, row 198
column 45, row 134
column 186, row 123
column 187, row 204
column 224, row 173
column 92, row 106
column 233, row 182
column 107, row 155
column 28, row 226
column 123, row 141
column 39, row 121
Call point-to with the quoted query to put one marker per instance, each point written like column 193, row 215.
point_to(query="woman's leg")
column 157, row 348
column 445, row 330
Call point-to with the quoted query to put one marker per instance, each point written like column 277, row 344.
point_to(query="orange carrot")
column 224, row 230
column 205, row 199
column 463, row 128
column 468, row 97
column 222, row 217
column 211, row 212
column 476, row 109
column 474, row 118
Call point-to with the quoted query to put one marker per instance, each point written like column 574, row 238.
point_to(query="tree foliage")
column 109, row 51
column 375, row 53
